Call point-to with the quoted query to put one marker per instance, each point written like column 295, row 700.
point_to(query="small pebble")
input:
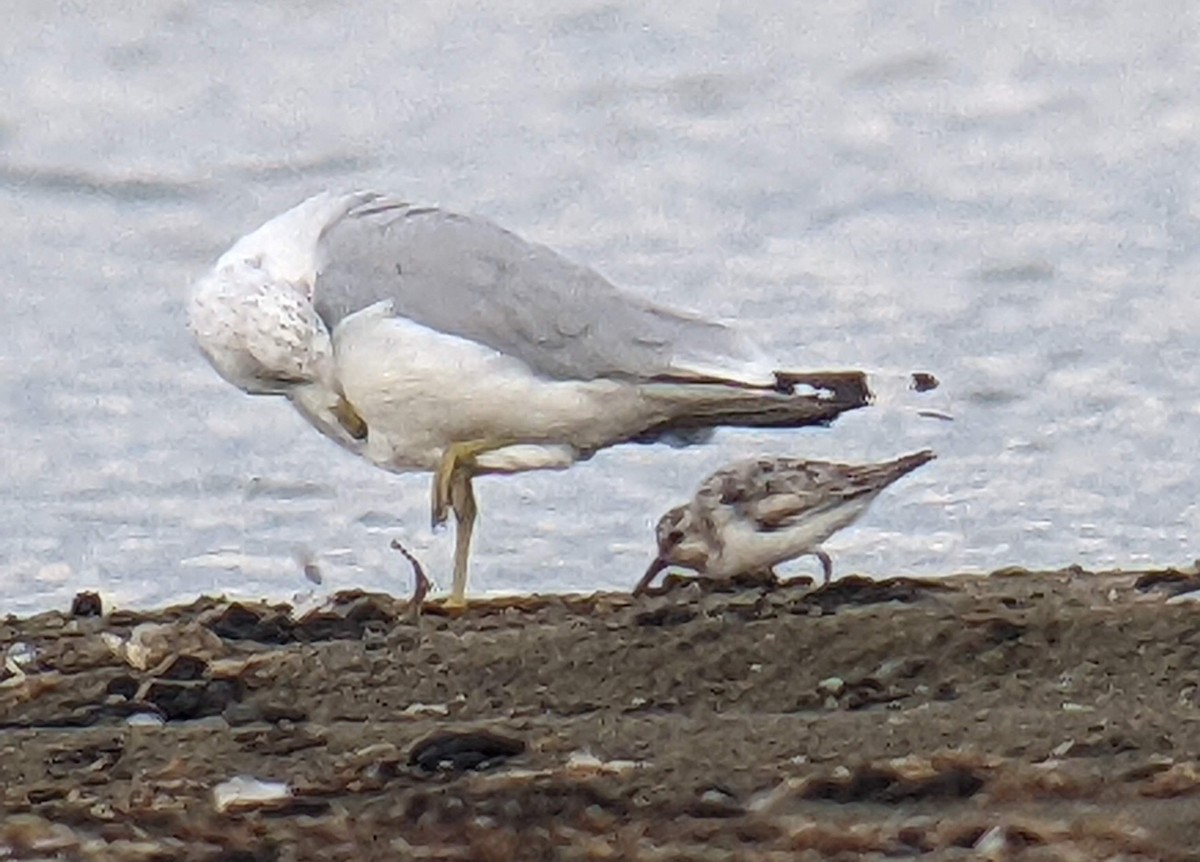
column 834, row 685
column 87, row 604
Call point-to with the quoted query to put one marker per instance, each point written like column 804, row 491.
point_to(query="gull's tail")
column 815, row 398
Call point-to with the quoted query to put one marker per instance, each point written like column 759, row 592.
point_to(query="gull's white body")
column 256, row 316
column 402, row 401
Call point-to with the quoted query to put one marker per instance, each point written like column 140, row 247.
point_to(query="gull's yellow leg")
column 458, row 456
column 441, row 485
column 462, row 497
column 452, row 490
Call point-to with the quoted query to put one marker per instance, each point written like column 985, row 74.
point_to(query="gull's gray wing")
column 466, row 276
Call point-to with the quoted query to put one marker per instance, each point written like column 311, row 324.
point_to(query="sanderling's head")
column 680, row 543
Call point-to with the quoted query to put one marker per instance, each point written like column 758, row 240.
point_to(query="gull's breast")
column 419, row 390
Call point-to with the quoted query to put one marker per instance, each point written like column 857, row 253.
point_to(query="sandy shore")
column 1051, row 715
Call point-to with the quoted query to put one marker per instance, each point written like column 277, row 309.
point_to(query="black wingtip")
column 843, row 387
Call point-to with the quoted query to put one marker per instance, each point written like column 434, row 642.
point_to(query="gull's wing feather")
column 466, row 276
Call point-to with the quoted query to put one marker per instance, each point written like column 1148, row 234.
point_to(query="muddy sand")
column 1051, row 715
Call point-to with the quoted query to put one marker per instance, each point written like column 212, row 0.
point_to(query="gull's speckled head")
column 252, row 314
column 261, row 335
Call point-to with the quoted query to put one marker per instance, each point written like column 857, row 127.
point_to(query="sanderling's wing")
column 779, row 510
column 770, row 492
column 467, row 277
column 778, row 492
column 855, row 479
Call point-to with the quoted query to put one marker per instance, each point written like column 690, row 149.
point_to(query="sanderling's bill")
column 428, row 341
column 757, row 513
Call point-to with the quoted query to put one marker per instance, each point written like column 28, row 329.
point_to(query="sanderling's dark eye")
column 674, row 537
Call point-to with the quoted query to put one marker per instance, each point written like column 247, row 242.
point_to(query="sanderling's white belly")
column 747, row 548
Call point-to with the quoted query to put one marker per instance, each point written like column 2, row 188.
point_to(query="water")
column 1001, row 193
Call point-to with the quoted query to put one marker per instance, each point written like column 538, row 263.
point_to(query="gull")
column 427, row 341
column 757, row 513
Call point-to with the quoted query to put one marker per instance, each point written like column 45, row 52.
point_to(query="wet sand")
column 1051, row 715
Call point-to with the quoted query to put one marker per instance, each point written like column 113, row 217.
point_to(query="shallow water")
column 1000, row 193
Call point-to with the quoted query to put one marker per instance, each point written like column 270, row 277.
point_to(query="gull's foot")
column 445, row 606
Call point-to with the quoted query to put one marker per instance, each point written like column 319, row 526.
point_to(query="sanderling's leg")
column 826, row 564
column 462, row 497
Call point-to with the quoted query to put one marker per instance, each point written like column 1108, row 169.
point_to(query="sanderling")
column 757, row 513
column 428, row 341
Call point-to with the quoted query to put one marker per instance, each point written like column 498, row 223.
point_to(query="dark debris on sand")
column 1038, row 716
